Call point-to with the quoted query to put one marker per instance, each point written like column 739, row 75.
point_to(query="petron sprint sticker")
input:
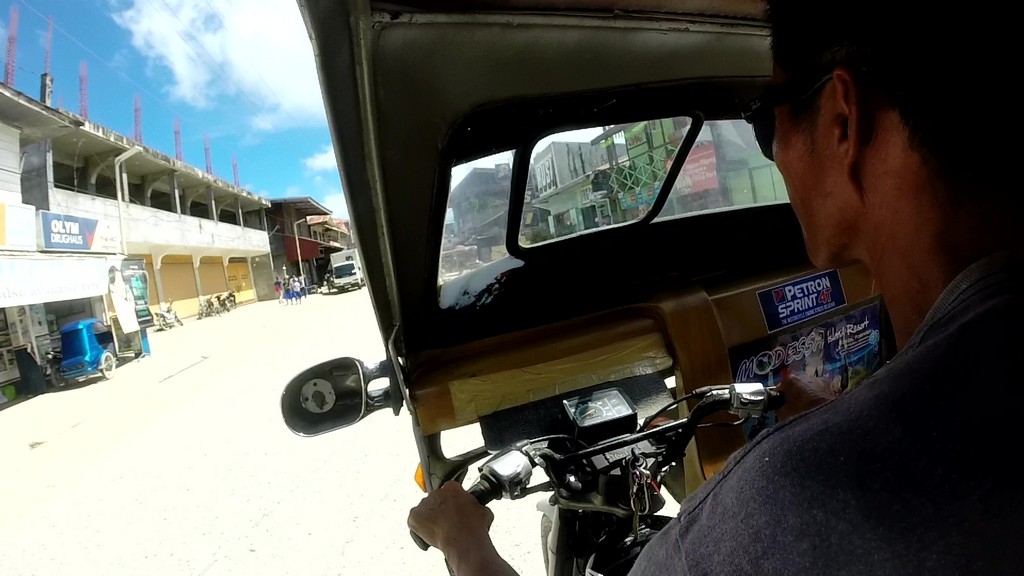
column 801, row 299
column 842, row 350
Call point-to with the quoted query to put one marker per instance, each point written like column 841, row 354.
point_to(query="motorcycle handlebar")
column 485, row 490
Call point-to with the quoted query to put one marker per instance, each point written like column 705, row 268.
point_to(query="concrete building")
column 559, row 163
column 293, row 246
column 331, row 231
column 570, row 195
column 84, row 210
column 197, row 234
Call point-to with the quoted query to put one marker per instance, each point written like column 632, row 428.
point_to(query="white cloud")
column 293, row 191
column 122, row 60
column 335, row 202
column 258, row 49
column 322, row 160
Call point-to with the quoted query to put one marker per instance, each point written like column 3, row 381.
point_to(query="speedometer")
column 601, row 414
column 589, row 412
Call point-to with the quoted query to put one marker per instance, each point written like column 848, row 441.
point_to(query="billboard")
column 68, row 233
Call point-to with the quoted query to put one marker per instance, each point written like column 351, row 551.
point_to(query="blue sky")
column 241, row 71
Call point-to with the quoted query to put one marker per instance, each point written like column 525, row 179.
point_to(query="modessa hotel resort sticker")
column 801, row 299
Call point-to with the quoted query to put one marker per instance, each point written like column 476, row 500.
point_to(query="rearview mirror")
column 332, row 395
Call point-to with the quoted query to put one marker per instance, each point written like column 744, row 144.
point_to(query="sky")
column 239, row 71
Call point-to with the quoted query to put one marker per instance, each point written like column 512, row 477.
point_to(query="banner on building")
column 136, row 281
column 33, row 279
column 17, row 227
column 69, row 233
column 128, row 295
column 699, row 171
column 638, row 198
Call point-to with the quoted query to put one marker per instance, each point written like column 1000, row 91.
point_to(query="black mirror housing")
column 325, row 397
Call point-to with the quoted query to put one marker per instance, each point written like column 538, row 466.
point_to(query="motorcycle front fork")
column 558, row 535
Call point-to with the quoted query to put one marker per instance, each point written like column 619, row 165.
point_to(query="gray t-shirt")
column 912, row 472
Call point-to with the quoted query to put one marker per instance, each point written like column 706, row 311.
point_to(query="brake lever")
column 542, row 487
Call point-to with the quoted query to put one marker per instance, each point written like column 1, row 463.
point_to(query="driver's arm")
column 451, row 520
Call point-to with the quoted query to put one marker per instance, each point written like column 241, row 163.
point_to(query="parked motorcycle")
column 208, row 308
column 226, row 302
column 166, row 317
column 604, row 464
column 53, row 360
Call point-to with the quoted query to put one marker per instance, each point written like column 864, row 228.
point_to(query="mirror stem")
column 377, row 399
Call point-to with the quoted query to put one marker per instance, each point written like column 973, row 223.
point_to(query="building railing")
column 146, row 225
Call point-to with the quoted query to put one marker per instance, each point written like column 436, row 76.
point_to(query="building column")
column 147, row 191
column 252, row 278
column 227, row 281
column 196, row 261
column 263, row 219
column 214, row 211
column 238, row 211
column 189, row 197
column 172, row 185
column 148, row 182
column 158, row 258
column 93, row 165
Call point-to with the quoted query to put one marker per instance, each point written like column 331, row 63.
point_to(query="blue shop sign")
column 76, row 233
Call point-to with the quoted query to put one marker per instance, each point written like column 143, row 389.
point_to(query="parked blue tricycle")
column 86, row 348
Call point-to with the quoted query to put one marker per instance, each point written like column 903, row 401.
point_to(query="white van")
column 347, row 274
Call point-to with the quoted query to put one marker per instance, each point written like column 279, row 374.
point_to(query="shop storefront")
column 38, row 295
column 68, row 281
column 127, row 295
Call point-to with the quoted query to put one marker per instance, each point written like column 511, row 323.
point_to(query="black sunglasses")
column 760, row 112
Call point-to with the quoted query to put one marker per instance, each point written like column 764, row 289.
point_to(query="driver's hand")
column 450, row 518
column 802, row 393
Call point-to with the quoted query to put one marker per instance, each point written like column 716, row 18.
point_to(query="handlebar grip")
column 419, row 541
column 484, row 490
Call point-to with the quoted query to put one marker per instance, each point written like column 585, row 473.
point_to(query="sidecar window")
column 614, row 179
column 725, row 169
column 586, row 180
column 477, row 215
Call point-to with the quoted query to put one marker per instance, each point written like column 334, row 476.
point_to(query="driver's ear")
column 848, row 118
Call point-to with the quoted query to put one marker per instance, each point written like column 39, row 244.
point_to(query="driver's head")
column 888, row 113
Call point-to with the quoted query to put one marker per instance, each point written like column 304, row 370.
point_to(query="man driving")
column 880, row 119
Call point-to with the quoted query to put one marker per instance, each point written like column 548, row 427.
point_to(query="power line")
column 196, row 57
column 89, row 50
column 106, row 63
column 277, row 98
column 210, row 57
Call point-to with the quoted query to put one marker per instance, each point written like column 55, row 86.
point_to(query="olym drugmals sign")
column 77, row 233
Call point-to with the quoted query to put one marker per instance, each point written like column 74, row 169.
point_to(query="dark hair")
column 944, row 67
